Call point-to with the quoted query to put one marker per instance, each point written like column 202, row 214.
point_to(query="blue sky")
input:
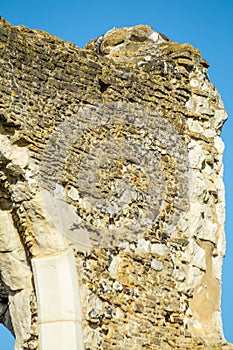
column 206, row 24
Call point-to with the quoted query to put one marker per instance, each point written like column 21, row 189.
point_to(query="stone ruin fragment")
column 112, row 198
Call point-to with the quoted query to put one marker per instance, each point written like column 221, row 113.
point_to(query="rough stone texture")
column 113, row 151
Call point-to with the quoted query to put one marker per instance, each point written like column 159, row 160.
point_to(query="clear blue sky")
column 206, row 24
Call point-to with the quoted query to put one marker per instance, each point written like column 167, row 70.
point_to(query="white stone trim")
column 59, row 309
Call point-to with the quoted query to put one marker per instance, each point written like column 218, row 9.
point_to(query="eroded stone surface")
column 114, row 151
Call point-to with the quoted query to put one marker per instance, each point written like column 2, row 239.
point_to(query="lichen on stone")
column 113, row 151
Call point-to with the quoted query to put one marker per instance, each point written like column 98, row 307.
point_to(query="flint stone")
column 156, row 265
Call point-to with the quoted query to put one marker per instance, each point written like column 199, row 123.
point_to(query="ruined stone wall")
column 112, row 152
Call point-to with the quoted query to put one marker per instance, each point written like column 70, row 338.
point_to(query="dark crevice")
column 120, row 42
column 130, row 99
column 103, row 85
column 137, row 38
column 22, row 142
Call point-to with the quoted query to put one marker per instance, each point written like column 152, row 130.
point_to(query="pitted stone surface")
column 129, row 166
column 114, row 151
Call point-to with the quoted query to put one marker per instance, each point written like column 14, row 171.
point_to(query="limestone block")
column 43, row 213
column 9, row 239
column 180, row 274
column 196, row 155
column 195, row 126
column 218, row 144
column 209, row 132
column 217, row 263
column 207, row 230
column 220, row 253
column 193, row 277
column 195, row 216
column 113, row 268
column 219, row 117
column 156, row 265
column 143, row 245
column 199, row 186
column 201, row 105
column 198, row 255
column 16, row 274
column 158, row 248
column 61, row 336
column 73, row 193
column 5, row 147
column 59, row 302
column 20, row 313
column 20, row 156
column 194, row 82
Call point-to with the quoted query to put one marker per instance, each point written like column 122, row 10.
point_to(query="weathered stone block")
column 112, row 152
